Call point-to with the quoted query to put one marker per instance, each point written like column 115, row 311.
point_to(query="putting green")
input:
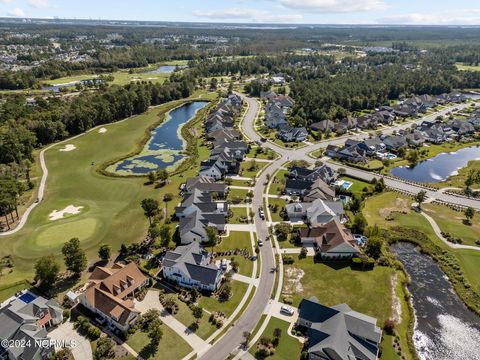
column 111, row 211
column 82, row 229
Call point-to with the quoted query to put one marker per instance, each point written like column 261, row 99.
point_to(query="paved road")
column 230, row 342
column 247, row 322
column 66, row 332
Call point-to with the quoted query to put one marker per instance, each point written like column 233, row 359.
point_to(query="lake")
column 445, row 329
column 165, row 69
column 438, row 168
column 163, row 149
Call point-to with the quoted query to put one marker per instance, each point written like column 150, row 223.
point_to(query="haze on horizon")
column 385, row 12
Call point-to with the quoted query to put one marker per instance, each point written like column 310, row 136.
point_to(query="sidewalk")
column 151, row 301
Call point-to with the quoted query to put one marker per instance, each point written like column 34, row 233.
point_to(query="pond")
column 165, row 69
column 163, row 150
column 445, row 329
column 438, row 168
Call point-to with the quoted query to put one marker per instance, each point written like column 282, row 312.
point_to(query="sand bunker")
column 102, row 130
column 70, row 209
column 68, row 147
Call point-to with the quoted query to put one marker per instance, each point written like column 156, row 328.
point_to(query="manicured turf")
column 388, row 352
column 245, row 170
column 237, row 194
column 281, row 205
column 337, row 283
column 172, row 346
column 257, row 152
column 238, row 240
column 357, row 186
column 451, row 221
column 470, row 263
column 278, row 183
column 461, row 66
column 228, row 307
column 111, row 210
column 288, row 348
column 239, row 213
column 185, row 316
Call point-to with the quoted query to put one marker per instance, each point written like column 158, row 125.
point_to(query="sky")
column 417, row 12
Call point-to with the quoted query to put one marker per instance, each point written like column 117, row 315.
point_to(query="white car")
column 261, row 214
column 260, row 242
column 224, row 264
column 287, row 310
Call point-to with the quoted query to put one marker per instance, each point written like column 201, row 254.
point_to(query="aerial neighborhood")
column 239, row 189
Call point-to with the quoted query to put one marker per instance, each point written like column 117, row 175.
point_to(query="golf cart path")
column 438, row 232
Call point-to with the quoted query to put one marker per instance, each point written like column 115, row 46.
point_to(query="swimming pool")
column 27, row 297
column 347, row 184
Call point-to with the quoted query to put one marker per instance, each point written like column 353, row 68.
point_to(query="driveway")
column 66, row 332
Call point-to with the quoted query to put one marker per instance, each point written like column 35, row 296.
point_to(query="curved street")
column 232, row 340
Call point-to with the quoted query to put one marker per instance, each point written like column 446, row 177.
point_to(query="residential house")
column 323, row 171
column 394, row 142
column 207, row 185
column 415, row 139
column 24, row 321
column 323, row 126
column 353, row 153
column 338, row 332
column 319, row 190
column 331, row 241
column 109, row 294
column 192, row 266
column 315, row 213
column 461, row 127
column 290, row 134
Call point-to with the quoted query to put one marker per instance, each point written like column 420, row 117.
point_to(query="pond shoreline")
column 470, row 152
column 434, row 299
column 141, row 143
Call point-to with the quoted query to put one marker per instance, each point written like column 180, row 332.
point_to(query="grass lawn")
column 278, row 183
column 335, row 284
column 238, row 214
column 244, row 183
column 247, row 171
column 357, row 186
column 184, row 315
column 110, row 205
column 69, row 79
column 461, row 66
column 281, row 203
column 237, row 194
column 258, row 152
column 228, row 307
column 6, row 292
column 470, row 263
column 172, row 346
column 238, row 240
column 388, row 352
column 288, row 348
column 451, row 221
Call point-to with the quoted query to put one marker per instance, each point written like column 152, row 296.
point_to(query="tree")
column 359, row 224
column 282, row 231
column 303, row 253
column 277, row 334
column 104, row 349
column 412, row 157
column 165, row 235
column 469, row 214
column 155, row 332
column 379, row 186
column 197, row 313
column 162, row 175
column 373, row 248
column 152, row 176
column 150, row 208
column 420, row 198
column 234, row 264
column 46, row 271
column 225, row 292
column 74, row 257
column 212, row 235
column 194, row 294
column 104, row 252
column 473, row 177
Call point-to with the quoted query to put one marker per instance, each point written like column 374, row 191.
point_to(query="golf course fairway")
column 106, row 209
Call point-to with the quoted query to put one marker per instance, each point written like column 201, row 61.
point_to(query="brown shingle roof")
column 110, row 286
column 329, row 236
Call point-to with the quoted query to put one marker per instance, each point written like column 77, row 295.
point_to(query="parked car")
column 287, row 310
column 360, row 239
column 260, row 242
column 261, row 213
column 224, row 264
